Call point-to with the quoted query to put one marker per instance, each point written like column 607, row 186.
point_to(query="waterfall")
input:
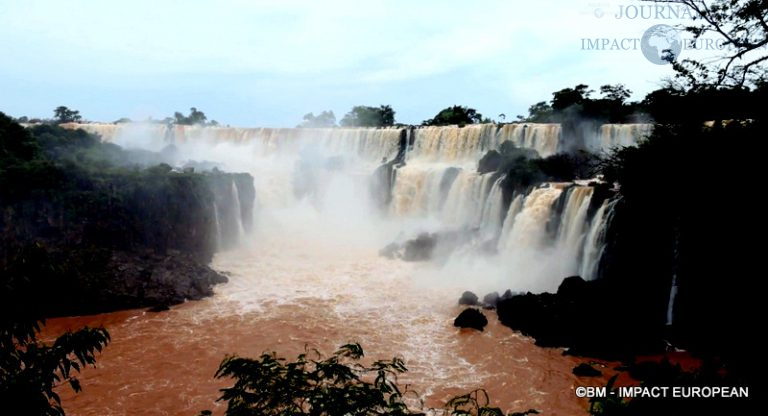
column 619, row 135
column 430, row 184
column 490, row 221
column 529, row 229
column 672, row 296
column 238, row 210
column 595, row 242
column 571, row 233
column 217, row 223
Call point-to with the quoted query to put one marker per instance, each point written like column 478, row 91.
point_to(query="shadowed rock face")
column 586, row 370
column 108, row 241
column 587, row 317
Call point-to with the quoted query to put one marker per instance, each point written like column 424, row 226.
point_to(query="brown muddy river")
column 288, row 294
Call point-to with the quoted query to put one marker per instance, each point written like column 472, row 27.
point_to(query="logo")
column 661, row 44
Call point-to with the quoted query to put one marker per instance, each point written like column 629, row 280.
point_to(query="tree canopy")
column 364, row 116
column 577, row 102
column 324, row 119
column 195, row 117
column 454, row 115
column 62, row 114
column 336, row 385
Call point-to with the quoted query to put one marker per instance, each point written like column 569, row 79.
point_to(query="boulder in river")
column 468, row 298
column 490, row 300
column 471, row 318
column 420, row 248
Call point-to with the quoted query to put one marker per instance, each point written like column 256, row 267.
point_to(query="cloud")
column 293, row 54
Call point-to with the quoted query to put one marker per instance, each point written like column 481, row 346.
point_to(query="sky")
column 267, row 63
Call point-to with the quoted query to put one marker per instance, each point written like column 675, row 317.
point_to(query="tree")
column 363, row 116
column 195, row 117
column 568, row 97
column 617, row 93
column 30, row 370
column 63, row 114
column 743, row 27
column 457, row 115
column 540, row 112
column 324, row 119
column 337, row 385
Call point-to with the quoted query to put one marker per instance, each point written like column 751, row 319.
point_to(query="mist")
column 466, row 230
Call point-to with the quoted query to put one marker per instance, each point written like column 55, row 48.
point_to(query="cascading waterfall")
column 238, row 211
column 509, row 220
column 618, row 135
column 490, row 221
column 530, row 227
column 571, row 233
column 436, row 188
column 443, row 144
column 595, row 242
column 217, row 224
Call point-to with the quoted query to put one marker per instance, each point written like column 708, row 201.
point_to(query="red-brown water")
column 285, row 295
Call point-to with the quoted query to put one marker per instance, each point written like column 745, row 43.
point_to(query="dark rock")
column 123, row 237
column 468, row 298
column 490, row 162
column 586, row 370
column 490, row 300
column 572, row 288
column 159, row 308
column 508, row 294
column 589, row 318
column 420, row 248
column 471, row 318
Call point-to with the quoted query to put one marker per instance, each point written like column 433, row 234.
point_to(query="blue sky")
column 267, row 63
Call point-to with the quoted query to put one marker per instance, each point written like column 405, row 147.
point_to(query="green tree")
column 63, row 114
column 458, row 115
column 364, row 116
column 30, row 370
column 195, row 117
column 331, row 386
column 337, row 385
column 617, row 93
column 540, row 112
column 744, row 32
column 568, row 97
column 324, row 119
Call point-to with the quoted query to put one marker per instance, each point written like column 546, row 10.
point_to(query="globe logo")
column 599, row 13
column 661, row 44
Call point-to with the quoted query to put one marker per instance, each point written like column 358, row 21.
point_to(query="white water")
column 437, row 190
column 238, row 212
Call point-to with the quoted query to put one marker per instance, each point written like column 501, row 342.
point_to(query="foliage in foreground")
column 30, row 370
column 337, row 385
